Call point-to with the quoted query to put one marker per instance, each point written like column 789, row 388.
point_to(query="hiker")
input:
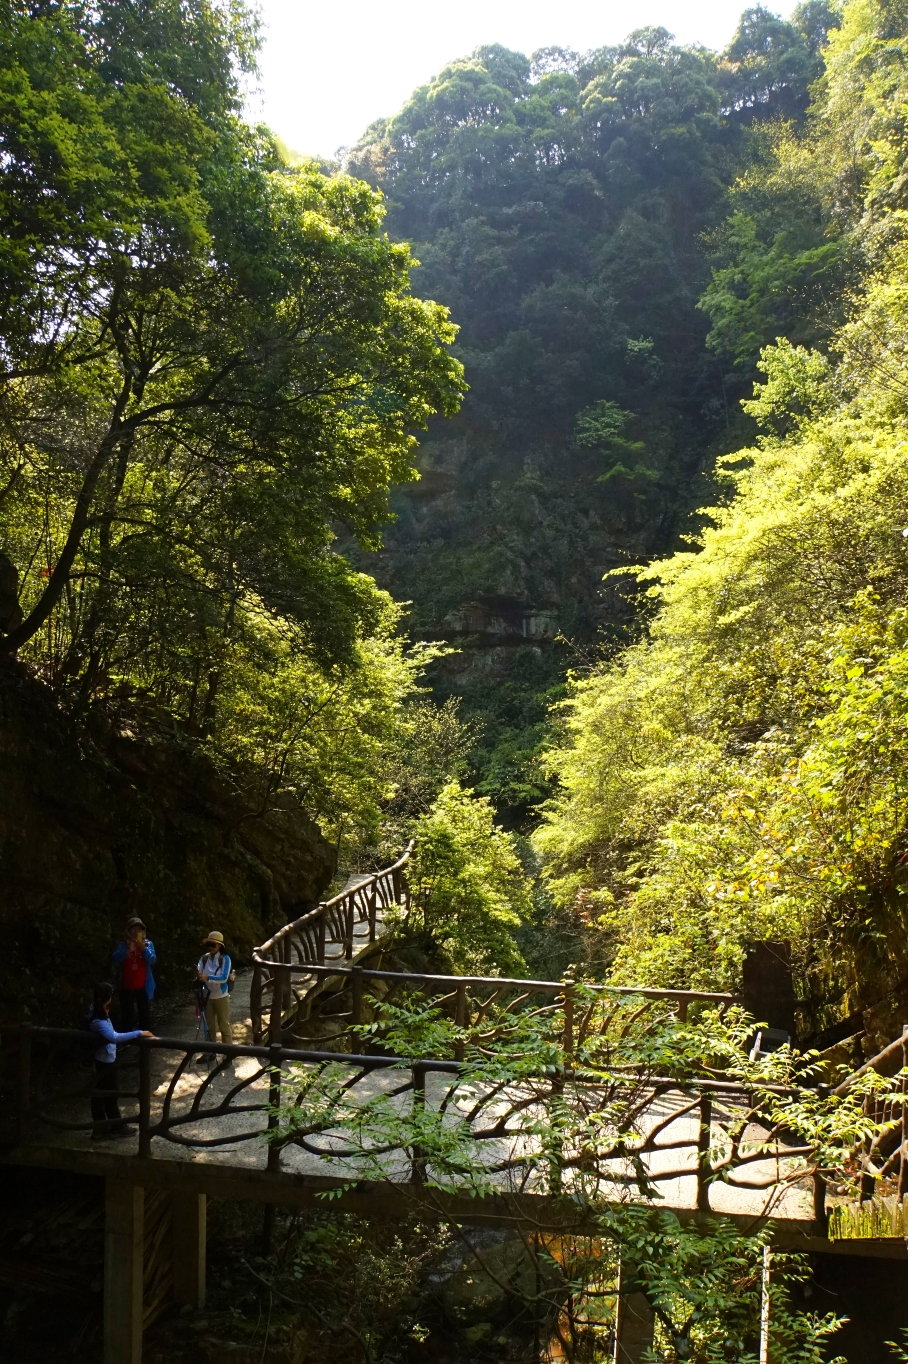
column 133, row 959
column 105, row 1109
column 215, row 970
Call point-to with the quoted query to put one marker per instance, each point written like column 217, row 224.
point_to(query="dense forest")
column 530, row 484
column 573, row 211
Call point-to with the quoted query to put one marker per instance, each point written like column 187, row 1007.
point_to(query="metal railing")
column 882, row 1158
column 193, row 1111
column 360, row 992
column 297, row 956
column 302, row 946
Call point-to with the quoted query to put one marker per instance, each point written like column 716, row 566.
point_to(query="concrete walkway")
column 235, row 1138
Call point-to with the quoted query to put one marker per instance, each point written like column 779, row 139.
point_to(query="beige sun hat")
column 214, row 937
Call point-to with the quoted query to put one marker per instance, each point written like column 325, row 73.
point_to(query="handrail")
column 331, row 921
column 510, row 983
column 177, row 1117
column 199, row 1110
column 341, row 898
column 306, row 937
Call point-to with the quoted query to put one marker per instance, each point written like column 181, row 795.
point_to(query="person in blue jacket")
column 133, row 959
column 105, row 1110
column 215, row 969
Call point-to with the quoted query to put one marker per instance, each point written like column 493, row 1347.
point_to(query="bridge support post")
column 124, row 1236
column 190, row 1228
column 634, row 1323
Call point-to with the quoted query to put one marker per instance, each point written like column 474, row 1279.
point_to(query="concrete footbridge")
column 495, row 1114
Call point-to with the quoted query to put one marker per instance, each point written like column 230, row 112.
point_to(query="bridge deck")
column 190, row 1142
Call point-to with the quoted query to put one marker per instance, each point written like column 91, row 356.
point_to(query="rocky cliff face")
column 94, row 830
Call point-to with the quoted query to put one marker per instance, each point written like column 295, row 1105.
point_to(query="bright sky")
column 330, row 67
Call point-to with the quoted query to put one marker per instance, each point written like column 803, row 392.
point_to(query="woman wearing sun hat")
column 214, row 969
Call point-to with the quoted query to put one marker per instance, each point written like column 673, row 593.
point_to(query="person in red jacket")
column 133, row 959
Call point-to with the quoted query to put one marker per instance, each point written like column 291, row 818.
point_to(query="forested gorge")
column 530, row 483
column 227, row 534
column 573, row 211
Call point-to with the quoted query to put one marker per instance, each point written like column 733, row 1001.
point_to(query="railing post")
column 348, row 928
column 275, row 1054
column 321, row 937
column 704, row 1143
column 124, row 1253
column 144, row 1098
column 279, row 989
column 395, row 881
column 286, row 981
column 255, row 1004
column 819, row 1203
column 568, row 1036
column 460, row 1016
column 357, row 982
column 373, row 897
column 682, row 1010
column 25, row 1084
column 418, row 1163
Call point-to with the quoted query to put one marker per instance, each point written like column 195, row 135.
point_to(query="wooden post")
column 348, row 928
column 190, row 1229
column 255, row 1004
column 418, row 1163
column 286, row 990
column 568, row 1040
column 460, row 1016
column 321, row 936
column 704, row 1142
column 373, row 897
column 144, row 1098
column 124, row 1235
column 821, row 1217
column 279, row 990
column 357, row 975
column 682, row 1010
column 634, row 1321
column 274, row 1099
column 25, row 1084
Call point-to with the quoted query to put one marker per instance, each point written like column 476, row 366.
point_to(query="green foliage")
column 781, row 259
column 741, row 773
column 521, row 1116
column 209, row 360
column 771, row 62
column 558, row 205
column 704, row 1285
column 468, row 885
column 428, row 749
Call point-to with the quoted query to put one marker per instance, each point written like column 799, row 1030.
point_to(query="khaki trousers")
column 217, row 1016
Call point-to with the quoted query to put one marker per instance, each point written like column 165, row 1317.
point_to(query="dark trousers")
column 104, row 1106
column 131, row 1003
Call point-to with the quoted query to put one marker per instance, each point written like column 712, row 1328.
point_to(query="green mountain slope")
column 558, row 207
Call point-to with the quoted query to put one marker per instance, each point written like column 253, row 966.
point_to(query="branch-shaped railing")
column 881, row 1210
column 288, row 1100
column 361, row 994
column 304, row 946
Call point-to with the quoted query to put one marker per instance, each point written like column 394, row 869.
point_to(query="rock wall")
column 94, row 830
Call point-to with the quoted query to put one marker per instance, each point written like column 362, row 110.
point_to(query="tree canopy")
column 209, row 363
column 565, row 207
column 738, row 774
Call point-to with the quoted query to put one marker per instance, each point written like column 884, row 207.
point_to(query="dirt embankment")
column 94, row 829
